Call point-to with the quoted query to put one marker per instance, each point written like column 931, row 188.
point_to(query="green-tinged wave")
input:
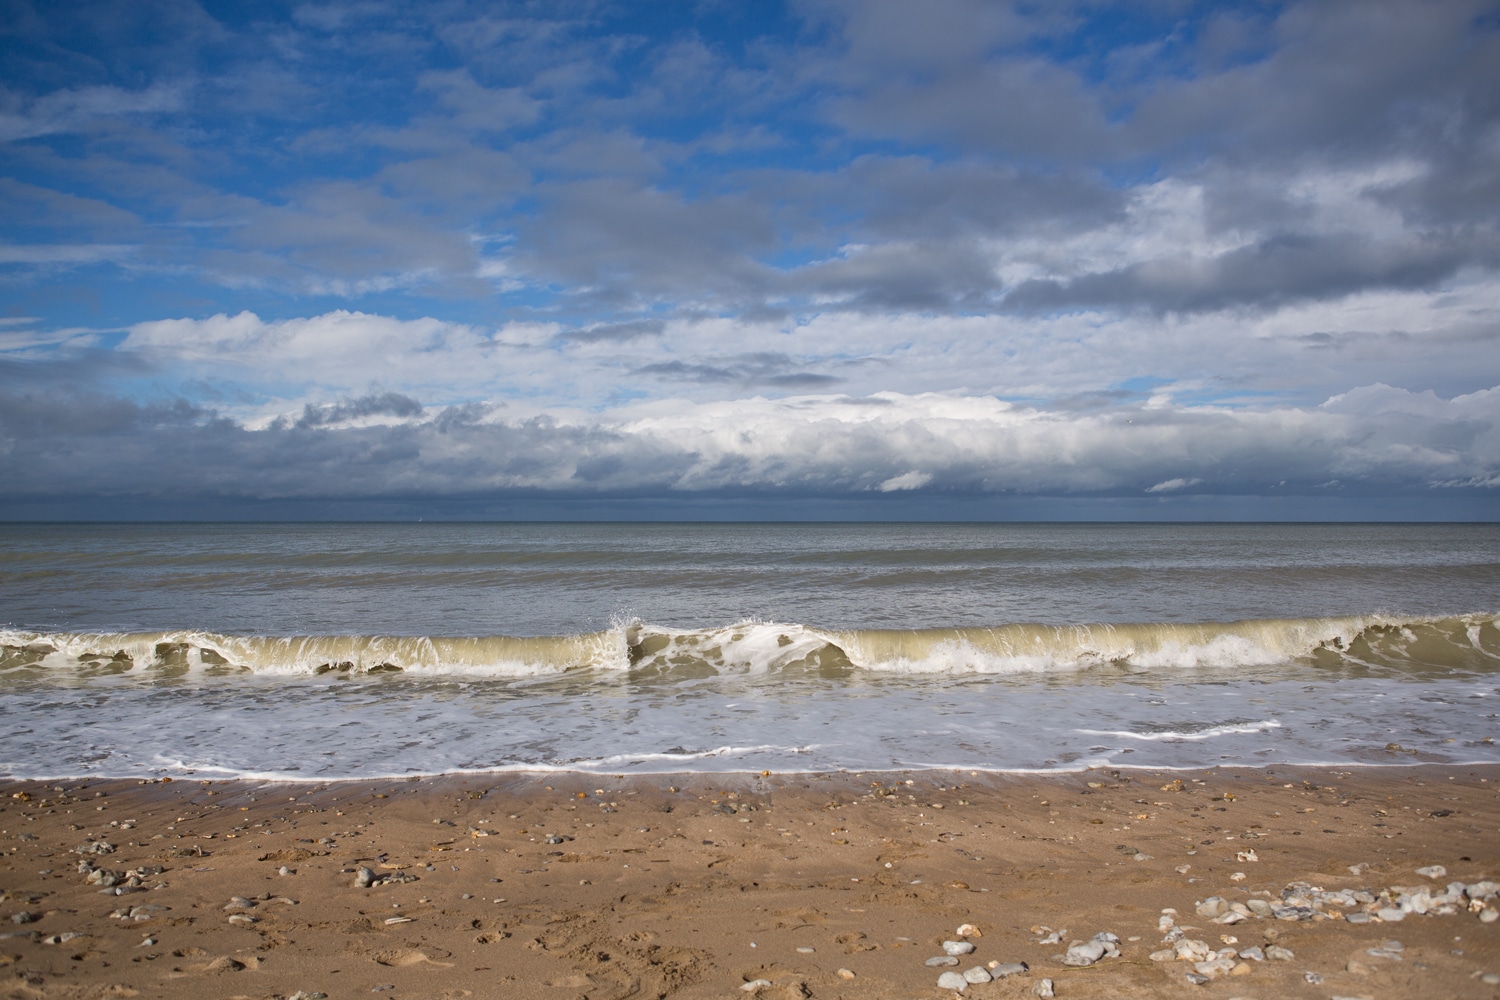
column 1463, row 642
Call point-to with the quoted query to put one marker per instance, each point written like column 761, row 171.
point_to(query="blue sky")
column 867, row 258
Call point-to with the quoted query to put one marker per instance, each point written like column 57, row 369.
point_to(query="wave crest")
column 1465, row 642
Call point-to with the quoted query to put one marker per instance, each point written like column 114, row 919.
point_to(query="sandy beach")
column 567, row 886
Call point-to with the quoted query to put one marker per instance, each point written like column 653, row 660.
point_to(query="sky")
column 814, row 258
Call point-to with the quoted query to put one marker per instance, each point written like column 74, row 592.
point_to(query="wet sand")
column 828, row 886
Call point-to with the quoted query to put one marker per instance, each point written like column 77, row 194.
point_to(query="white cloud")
column 1172, row 485
column 906, row 481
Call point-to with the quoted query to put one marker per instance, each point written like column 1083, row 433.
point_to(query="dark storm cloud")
column 749, row 370
column 1282, row 269
column 391, row 404
column 1370, row 441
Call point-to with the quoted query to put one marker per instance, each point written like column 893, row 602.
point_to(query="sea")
column 314, row 652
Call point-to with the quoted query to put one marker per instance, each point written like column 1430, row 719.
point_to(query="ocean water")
column 314, row 652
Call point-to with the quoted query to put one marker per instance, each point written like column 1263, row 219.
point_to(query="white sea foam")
column 1205, row 733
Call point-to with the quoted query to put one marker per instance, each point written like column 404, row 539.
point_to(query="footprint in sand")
column 576, row 981
column 402, row 957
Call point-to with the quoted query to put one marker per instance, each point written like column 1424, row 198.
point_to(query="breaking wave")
column 1465, row 642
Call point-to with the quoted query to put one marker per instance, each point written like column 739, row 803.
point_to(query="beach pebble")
column 241, row 919
column 239, row 903
column 304, row 995
column 1391, row 914
column 1277, row 953
column 1488, row 916
column 22, row 917
column 1313, row 978
column 1091, row 951
column 999, row 970
column 284, row 870
column 957, row 947
column 806, row 950
column 1259, row 907
column 846, row 974
column 978, row 974
column 1432, row 871
column 941, row 960
column 1253, row 954
column 1044, row 989
column 1490, row 979
column 952, row 981
column 1213, row 906
column 364, row 877
column 1197, row 978
column 755, row 984
column 1215, row 967
column 968, row 931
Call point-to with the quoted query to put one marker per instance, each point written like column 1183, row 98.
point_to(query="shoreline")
column 568, row 884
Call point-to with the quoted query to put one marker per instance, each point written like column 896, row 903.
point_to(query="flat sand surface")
column 565, row 886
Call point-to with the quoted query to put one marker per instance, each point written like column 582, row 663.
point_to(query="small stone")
column 1490, row 979
column 806, row 950
column 846, row 974
column 1259, row 907
column 1000, row 970
column 1213, row 906
column 1432, row 871
column 239, row 903
column 755, row 984
column 1277, row 953
column 1215, row 967
column 1084, row 953
column 1196, row 978
column 1253, row 954
column 957, row 947
column 284, row 870
column 1044, row 989
column 941, row 960
column 968, row 930
column 1357, row 968
column 1242, row 969
column 1357, row 917
column 364, row 878
column 1488, row 916
column 1313, row 978
column 241, row 919
column 1391, row 914
column 978, row 974
column 1164, row 955
column 397, row 920
column 952, row 981
column 22, row 917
